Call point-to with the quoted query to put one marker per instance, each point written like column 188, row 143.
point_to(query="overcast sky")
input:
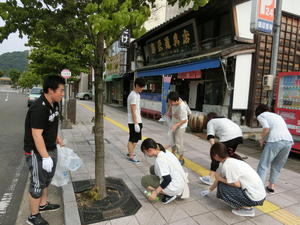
column 13, row 42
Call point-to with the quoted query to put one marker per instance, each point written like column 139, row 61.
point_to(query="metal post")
column 65, row 103
column 275, row 45
column 66, row 124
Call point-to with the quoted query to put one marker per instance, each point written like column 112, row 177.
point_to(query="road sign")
column 65, row 73
column 262, row 16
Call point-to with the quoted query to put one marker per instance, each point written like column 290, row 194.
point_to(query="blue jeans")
column 276, row 154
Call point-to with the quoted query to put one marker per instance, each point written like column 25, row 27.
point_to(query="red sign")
column 65, row 73
column 262, row 16
column 196, row 74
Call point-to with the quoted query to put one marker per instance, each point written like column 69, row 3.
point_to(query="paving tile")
column 282, row 200
column 129, row 220
column 294, row 209
column 186, row 221
column 208, row 219
column 146, row 216
column 246, row 222
column 213, row 203
column 102, row 223
column 172, row 212
column 192, row 208
column 264, row 220
column 227, row 216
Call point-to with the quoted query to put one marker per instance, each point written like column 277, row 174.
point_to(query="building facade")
column 210, row 57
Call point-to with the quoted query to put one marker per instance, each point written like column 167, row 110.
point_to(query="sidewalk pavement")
column 195, row 210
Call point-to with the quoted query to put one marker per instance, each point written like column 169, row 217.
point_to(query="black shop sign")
column 174, row 43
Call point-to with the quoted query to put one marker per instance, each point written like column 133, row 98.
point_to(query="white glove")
column 137, row 128
column 205, row 192
column 47, row 164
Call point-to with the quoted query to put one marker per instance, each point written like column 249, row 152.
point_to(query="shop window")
column 214, row 87
column 153, row 89
column 153, row 85
column 214, row 92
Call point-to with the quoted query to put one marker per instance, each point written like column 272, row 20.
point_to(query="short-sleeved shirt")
column 278, row 128
column 134, row 99
column 237, row 170
column 165, row 164
column 41, row 115
column 179, row 113
column 224, row 129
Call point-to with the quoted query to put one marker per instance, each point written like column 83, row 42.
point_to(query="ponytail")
column 150, row 143
column 162, row 148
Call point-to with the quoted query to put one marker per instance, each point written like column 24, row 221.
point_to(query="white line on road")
column 7, row 197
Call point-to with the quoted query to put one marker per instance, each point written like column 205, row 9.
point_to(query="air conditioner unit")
column 268, row 81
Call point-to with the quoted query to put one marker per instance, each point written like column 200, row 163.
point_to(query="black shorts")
column 39, row 178
column 134, row 137
column 233, row 143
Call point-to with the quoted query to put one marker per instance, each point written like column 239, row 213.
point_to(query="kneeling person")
column 238, row 185
column 167, row 175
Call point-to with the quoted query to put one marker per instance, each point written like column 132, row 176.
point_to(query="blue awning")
column 199, row 65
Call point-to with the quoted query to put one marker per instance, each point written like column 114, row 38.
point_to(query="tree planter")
column 119, row 202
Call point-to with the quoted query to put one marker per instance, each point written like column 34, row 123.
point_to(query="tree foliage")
column 29, row 79
column 1, row 73
column 14, row 75
column 13, row 60
column 81, row 29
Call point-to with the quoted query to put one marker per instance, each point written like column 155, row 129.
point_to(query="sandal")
column 270, row 190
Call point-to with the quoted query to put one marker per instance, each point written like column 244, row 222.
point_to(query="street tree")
column 84, row 26
column 29, row 79
column 1, row 73
column 14, row 75
column 51, row 60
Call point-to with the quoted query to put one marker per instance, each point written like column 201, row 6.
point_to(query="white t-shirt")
column 237, row 170
column 179, row 112
column 134, row 99
column 224, row 129
column 277, row 126
column 165, row 164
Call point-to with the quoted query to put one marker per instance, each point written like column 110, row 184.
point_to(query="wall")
column 153, row 105
column 291, row 6
column 158, row 15
column 172, row 11
column 242, row 81
column 243, row 15
column 83, row 84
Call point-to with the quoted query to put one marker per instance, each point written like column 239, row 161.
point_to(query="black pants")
column 231, row 147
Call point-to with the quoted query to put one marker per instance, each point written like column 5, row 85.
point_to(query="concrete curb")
column 70, row 205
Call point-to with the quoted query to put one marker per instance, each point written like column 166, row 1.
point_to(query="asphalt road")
column 13, row 172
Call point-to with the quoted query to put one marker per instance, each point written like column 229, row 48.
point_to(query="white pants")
column 177, row 140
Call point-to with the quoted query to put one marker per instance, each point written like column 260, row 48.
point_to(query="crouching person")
column 167, row 175
column 238, row 185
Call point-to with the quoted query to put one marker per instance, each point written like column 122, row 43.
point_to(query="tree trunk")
column 98, row 128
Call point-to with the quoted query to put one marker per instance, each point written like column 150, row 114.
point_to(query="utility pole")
column 275, row 45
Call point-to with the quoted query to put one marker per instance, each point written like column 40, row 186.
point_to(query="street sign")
column 125, row 39
column 262, row 16
column 65, row 73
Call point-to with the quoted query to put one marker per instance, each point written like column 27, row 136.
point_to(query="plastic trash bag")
column 67, row 160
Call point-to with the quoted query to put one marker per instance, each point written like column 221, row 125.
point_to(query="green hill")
column 13, row 60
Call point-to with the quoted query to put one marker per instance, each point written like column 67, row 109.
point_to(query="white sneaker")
column 206, row 180
column 244, row 212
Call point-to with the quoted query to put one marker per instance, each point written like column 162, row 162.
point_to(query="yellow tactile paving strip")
column 269, row 208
